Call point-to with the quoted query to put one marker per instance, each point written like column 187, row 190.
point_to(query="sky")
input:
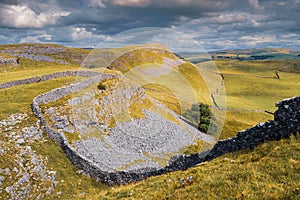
column 215, row 24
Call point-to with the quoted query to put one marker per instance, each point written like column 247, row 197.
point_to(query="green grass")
column 240, row 120
column 262, row 67
column 71, row 184
column 260, row 93
column 113, row 57
column 165, row 96
column 18, row 99
column 30, row 68
column 270, row 171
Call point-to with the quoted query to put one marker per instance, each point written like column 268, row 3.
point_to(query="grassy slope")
column 270, row 171
column 262, row 173
column 247, row 94
column 183, row 84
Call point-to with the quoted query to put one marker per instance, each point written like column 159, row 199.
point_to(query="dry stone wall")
column 47, row 77
column 6, row 61
column 286, row 122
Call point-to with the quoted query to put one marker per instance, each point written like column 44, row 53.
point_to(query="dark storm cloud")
column 215, row 24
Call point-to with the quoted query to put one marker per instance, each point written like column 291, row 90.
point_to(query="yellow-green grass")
column 33, row 70
column 216, row 179
column 5, row 56
column 196, row 81
column 135, row 58
column 165, row 96
column 70, row 184
column 270, row 171
column 11, row 157
column 262, row 173
column 18, row 99
column 185, row 81
column 260, row 68
column 267, row 172
column 241, row 119
column 180, row 84
column 260, row 93
column 100, row 57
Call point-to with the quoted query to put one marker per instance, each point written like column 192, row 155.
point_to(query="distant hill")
column 245, row 54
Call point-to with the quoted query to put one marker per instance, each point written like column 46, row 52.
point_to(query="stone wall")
column 47, row 77
column 286, row 122
column 33, row 49
column 6, row 61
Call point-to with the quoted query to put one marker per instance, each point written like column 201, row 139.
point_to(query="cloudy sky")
column 215, row 24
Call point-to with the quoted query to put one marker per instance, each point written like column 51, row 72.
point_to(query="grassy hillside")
column 164, row 76
column 270, row 171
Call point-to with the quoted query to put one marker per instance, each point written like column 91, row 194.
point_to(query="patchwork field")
column 270, row 171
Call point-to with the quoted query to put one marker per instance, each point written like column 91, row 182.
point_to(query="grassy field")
column 270, row 171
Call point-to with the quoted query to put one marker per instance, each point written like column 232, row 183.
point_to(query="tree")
column 205, row 117
column 199, row 114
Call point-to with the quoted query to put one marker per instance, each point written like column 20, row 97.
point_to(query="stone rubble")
column 27, row 171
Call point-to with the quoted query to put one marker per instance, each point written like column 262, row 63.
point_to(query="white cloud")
column 167, row 3
column 36, row 39
column 229, row 18
column 255, row 40
column 97, row 3
column 255, row 4
column 21, row 16
column 281, row 3
column 224, row 44
column 131, row 2
column 82, row 34
column 290, row 35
